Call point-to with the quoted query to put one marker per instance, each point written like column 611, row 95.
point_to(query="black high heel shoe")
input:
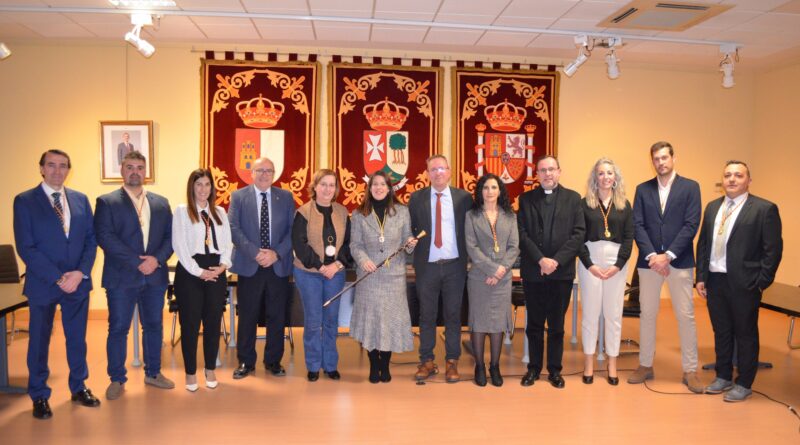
column 494, row 372
column 588, row 379
column 480, row 375
column 613, row 381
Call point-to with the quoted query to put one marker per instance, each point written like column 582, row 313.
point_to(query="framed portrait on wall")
column 118, row 138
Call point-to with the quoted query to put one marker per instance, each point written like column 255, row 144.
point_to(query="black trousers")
column 200, row 301
column 268, row 291
column 546, row 301
column 447, row 280
column 734, row 316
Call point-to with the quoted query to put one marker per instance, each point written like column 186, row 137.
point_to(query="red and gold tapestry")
column 383, row 118
column 503, row 121
column 253, row 109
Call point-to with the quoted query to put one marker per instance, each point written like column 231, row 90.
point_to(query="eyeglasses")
column 264, row 171
column 438, row 169
column 544, row 171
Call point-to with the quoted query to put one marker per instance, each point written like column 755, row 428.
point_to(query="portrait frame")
column 113, row 145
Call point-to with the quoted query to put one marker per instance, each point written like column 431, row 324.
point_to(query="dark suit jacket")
column 120, row 236
column 674, row 230
column 419, row 205
column 244, row 216
column 754, row 249
column 561, row 244
column 46, row 250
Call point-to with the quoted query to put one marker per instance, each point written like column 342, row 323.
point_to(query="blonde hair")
column 617, row 190
column 318, row 175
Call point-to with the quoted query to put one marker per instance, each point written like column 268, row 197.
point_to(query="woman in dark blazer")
column 492, row 243
column 603, row 263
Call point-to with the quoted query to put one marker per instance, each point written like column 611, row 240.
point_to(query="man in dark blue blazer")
column 666, row 215
column 261, row 219
column 134, row 229
column 738, row 253
column 54, row 233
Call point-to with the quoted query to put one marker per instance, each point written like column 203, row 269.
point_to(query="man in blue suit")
column 54, row 234
column 261, row 227
column 666, row 216
column 134, row 229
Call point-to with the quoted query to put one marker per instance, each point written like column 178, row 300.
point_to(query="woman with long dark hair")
column 493, row 247
column 380, row 320
column 201, row 238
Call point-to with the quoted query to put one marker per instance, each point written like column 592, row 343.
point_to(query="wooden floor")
column 291, row 410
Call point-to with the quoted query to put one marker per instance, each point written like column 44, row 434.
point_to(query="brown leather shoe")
column 641, row 374
column 451, row 373
column 692, row 381
column 426, row 369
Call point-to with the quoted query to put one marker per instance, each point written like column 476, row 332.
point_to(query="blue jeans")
column 120, row 314
column 320, row 326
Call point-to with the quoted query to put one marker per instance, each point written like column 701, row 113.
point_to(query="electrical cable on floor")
column 790, row 407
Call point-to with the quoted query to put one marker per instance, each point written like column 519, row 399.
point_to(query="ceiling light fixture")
column 611, row 57
column 4, row 51
column 726, row 66
column 582, row 42
column 134, row 36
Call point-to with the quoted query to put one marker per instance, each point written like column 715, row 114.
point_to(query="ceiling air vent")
column 662, row 16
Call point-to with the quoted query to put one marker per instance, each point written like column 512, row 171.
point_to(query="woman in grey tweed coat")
column 493, row 246
column 380, row 320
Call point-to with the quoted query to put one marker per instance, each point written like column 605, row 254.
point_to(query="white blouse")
column 188, row 239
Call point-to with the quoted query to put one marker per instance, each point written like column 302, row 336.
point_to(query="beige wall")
column 55, row 95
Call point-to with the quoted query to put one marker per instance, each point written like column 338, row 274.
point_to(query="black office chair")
column 9, row 273
column 631, row 308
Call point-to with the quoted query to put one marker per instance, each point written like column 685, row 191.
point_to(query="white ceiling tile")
column 398, row 34
column 78, row 3
column 760, row 38
column 340, row 31
column 210, row 5
column 283, row 29
column 476, row 7
column 341, row 8
column 538, row 8
column 755, row 5
column 396, row 15
column 772, row 22
column 594, row 11
column 229, row 31
column 577, row 25
column 63, row 30
column 407, row 6
column 205, row 20
column 296, row 7
column 728, row 18
column 452, row 36
column 120, row 19
column 27, row 3
column 175, row 28
column 790, row 7
column 465, row 18
column 15, row 31
column 512, row 39
column 525, row 22
column 33, row 18
column 552, row 41
column 108, row 30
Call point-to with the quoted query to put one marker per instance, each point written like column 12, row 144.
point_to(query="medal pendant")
column 330, row 250
column 386, row 263
column 607, row 234
column 381, row 239
column 207, row 243
column 496, row 248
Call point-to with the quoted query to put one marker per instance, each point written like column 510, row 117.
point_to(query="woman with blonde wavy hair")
column 603, row 270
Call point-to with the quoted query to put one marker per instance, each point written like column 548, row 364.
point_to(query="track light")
column 138, row 20
column 726, row 66
column 582, row 42
column 4, row 51
column 611, row 57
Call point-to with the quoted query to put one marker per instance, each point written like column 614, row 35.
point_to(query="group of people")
column 457, row 241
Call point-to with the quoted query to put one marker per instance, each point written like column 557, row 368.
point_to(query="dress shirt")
column 188, row 238
column 269, row 209
column 717, row 264
column 64, row 203
column 449, row 249
column 145, row 213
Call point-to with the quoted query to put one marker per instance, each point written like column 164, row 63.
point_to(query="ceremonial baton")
column 381, row 264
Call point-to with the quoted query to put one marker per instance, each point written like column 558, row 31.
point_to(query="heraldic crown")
column 260, row 112
column 505, row 116
column 385, row 115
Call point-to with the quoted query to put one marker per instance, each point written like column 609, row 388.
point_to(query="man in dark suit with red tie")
column 54, row 234
column 738, row 253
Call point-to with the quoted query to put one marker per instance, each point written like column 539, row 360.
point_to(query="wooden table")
column 11, row 299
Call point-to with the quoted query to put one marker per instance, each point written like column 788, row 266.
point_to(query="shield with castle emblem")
column 505, row 155
column 252, row 144
column 387, row 151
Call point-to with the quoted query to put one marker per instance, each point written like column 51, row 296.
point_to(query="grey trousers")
column 447, row 281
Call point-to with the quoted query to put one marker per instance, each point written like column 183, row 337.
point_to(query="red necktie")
column 437, row 238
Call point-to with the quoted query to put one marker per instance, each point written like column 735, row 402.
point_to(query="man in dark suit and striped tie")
column 54, row 234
